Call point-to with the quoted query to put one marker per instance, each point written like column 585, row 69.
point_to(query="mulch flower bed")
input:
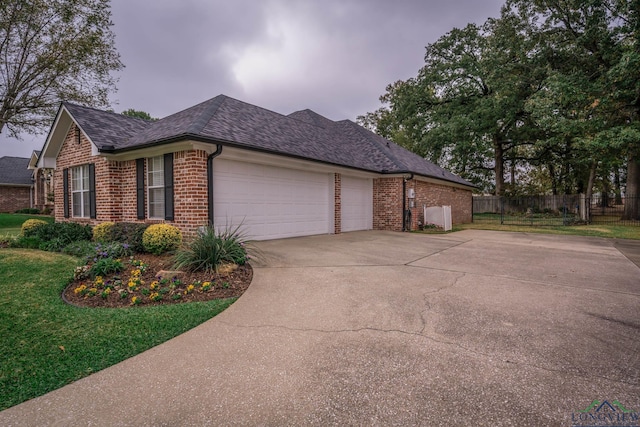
column 149, row 280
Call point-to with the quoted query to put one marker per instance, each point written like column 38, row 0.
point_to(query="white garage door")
column 356, row 203
column 270, row 202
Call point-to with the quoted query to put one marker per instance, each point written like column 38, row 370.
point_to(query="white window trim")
column 150, row 187
column 83, row 170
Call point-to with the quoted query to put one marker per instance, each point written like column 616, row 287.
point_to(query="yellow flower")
column 190, row 288
column 99, row 281
column 107, row 291
column 134, row 300
column 153, row 285
column 79, row 289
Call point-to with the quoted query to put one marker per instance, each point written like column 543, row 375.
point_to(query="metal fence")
column 568, row 209
column 610, row 209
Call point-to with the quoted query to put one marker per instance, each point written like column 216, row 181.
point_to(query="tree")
column 53, row 50
column 597, row 57
column 139, row 114
column 465, row 109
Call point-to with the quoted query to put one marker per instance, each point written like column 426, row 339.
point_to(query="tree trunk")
column 554, row 181
column 592, row 178
column 632, row 195
column 616, row 183
column 499, row 166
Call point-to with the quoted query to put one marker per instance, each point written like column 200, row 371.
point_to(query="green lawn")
column 596, row 230
column 10, row 223
column 46, row 343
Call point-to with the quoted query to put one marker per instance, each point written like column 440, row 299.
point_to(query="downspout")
column 210, row 181
column 404, row 201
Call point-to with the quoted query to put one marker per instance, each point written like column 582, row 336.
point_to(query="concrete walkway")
column 380, row 328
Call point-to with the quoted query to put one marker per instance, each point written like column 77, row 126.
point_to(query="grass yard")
column 10, row 223
column 46, row 344
column 595, row 230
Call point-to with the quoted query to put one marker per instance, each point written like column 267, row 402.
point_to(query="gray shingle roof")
column 13, row 171
column 303, row 134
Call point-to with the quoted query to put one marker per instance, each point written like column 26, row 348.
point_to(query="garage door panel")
column 270, row 202
column 356, row 203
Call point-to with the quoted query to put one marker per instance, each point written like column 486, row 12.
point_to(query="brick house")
column 227, row 162
column 16, row 186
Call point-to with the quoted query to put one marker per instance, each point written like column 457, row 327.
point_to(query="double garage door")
column 272, row 202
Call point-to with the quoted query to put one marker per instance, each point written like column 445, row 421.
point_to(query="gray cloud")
column 332, row 56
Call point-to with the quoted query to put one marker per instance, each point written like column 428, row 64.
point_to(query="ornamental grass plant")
column 210, row 249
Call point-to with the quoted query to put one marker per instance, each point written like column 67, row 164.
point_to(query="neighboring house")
column 16, row 187
column 227, row 162
column 43, row 184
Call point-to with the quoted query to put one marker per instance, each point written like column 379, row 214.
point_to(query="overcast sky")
column 332, row 56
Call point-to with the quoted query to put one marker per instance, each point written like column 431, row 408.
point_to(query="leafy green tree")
column 139, row 114
column 466, row 108
column 593, row 91
column 53, row 50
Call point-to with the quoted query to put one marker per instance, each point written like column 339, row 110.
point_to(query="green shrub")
column 26, row 242
column 81, row 249
column 161, row 238
column 29, row 226
column 30, row 211
column 113, row 250
column 208, row 250
column 102, row 232
column 105, row 266
column 63, row 232
column 129, row 233
column 53, row 245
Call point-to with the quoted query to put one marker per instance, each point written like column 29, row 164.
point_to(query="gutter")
column 210, row 199
column 405, row 226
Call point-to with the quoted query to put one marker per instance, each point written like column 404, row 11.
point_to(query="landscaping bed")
column 149, row 280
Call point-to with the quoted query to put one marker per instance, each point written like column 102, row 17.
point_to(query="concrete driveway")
column 381, row 328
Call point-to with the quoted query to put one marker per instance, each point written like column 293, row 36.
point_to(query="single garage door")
column 271, row 202
column 356, row 203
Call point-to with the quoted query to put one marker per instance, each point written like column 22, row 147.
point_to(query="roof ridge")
column 385, row 150
column 66, row 103
column 199, row 124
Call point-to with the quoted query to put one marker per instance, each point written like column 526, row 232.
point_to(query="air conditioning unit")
column 439, row 216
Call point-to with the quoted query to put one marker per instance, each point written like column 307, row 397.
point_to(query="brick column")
column 337, row 205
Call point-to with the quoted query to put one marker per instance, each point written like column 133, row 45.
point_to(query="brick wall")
column 439, row 195
column 14, row 198
column 190, row 190
column 387, row 204
column 107, row 192
column 116, row 198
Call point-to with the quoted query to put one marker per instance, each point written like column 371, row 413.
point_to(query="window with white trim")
column 80, row 191
column 155, row 187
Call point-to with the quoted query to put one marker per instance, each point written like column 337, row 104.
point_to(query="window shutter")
column 65, row 191
column 140, row 187
column 92, row 191
column 168, row 186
